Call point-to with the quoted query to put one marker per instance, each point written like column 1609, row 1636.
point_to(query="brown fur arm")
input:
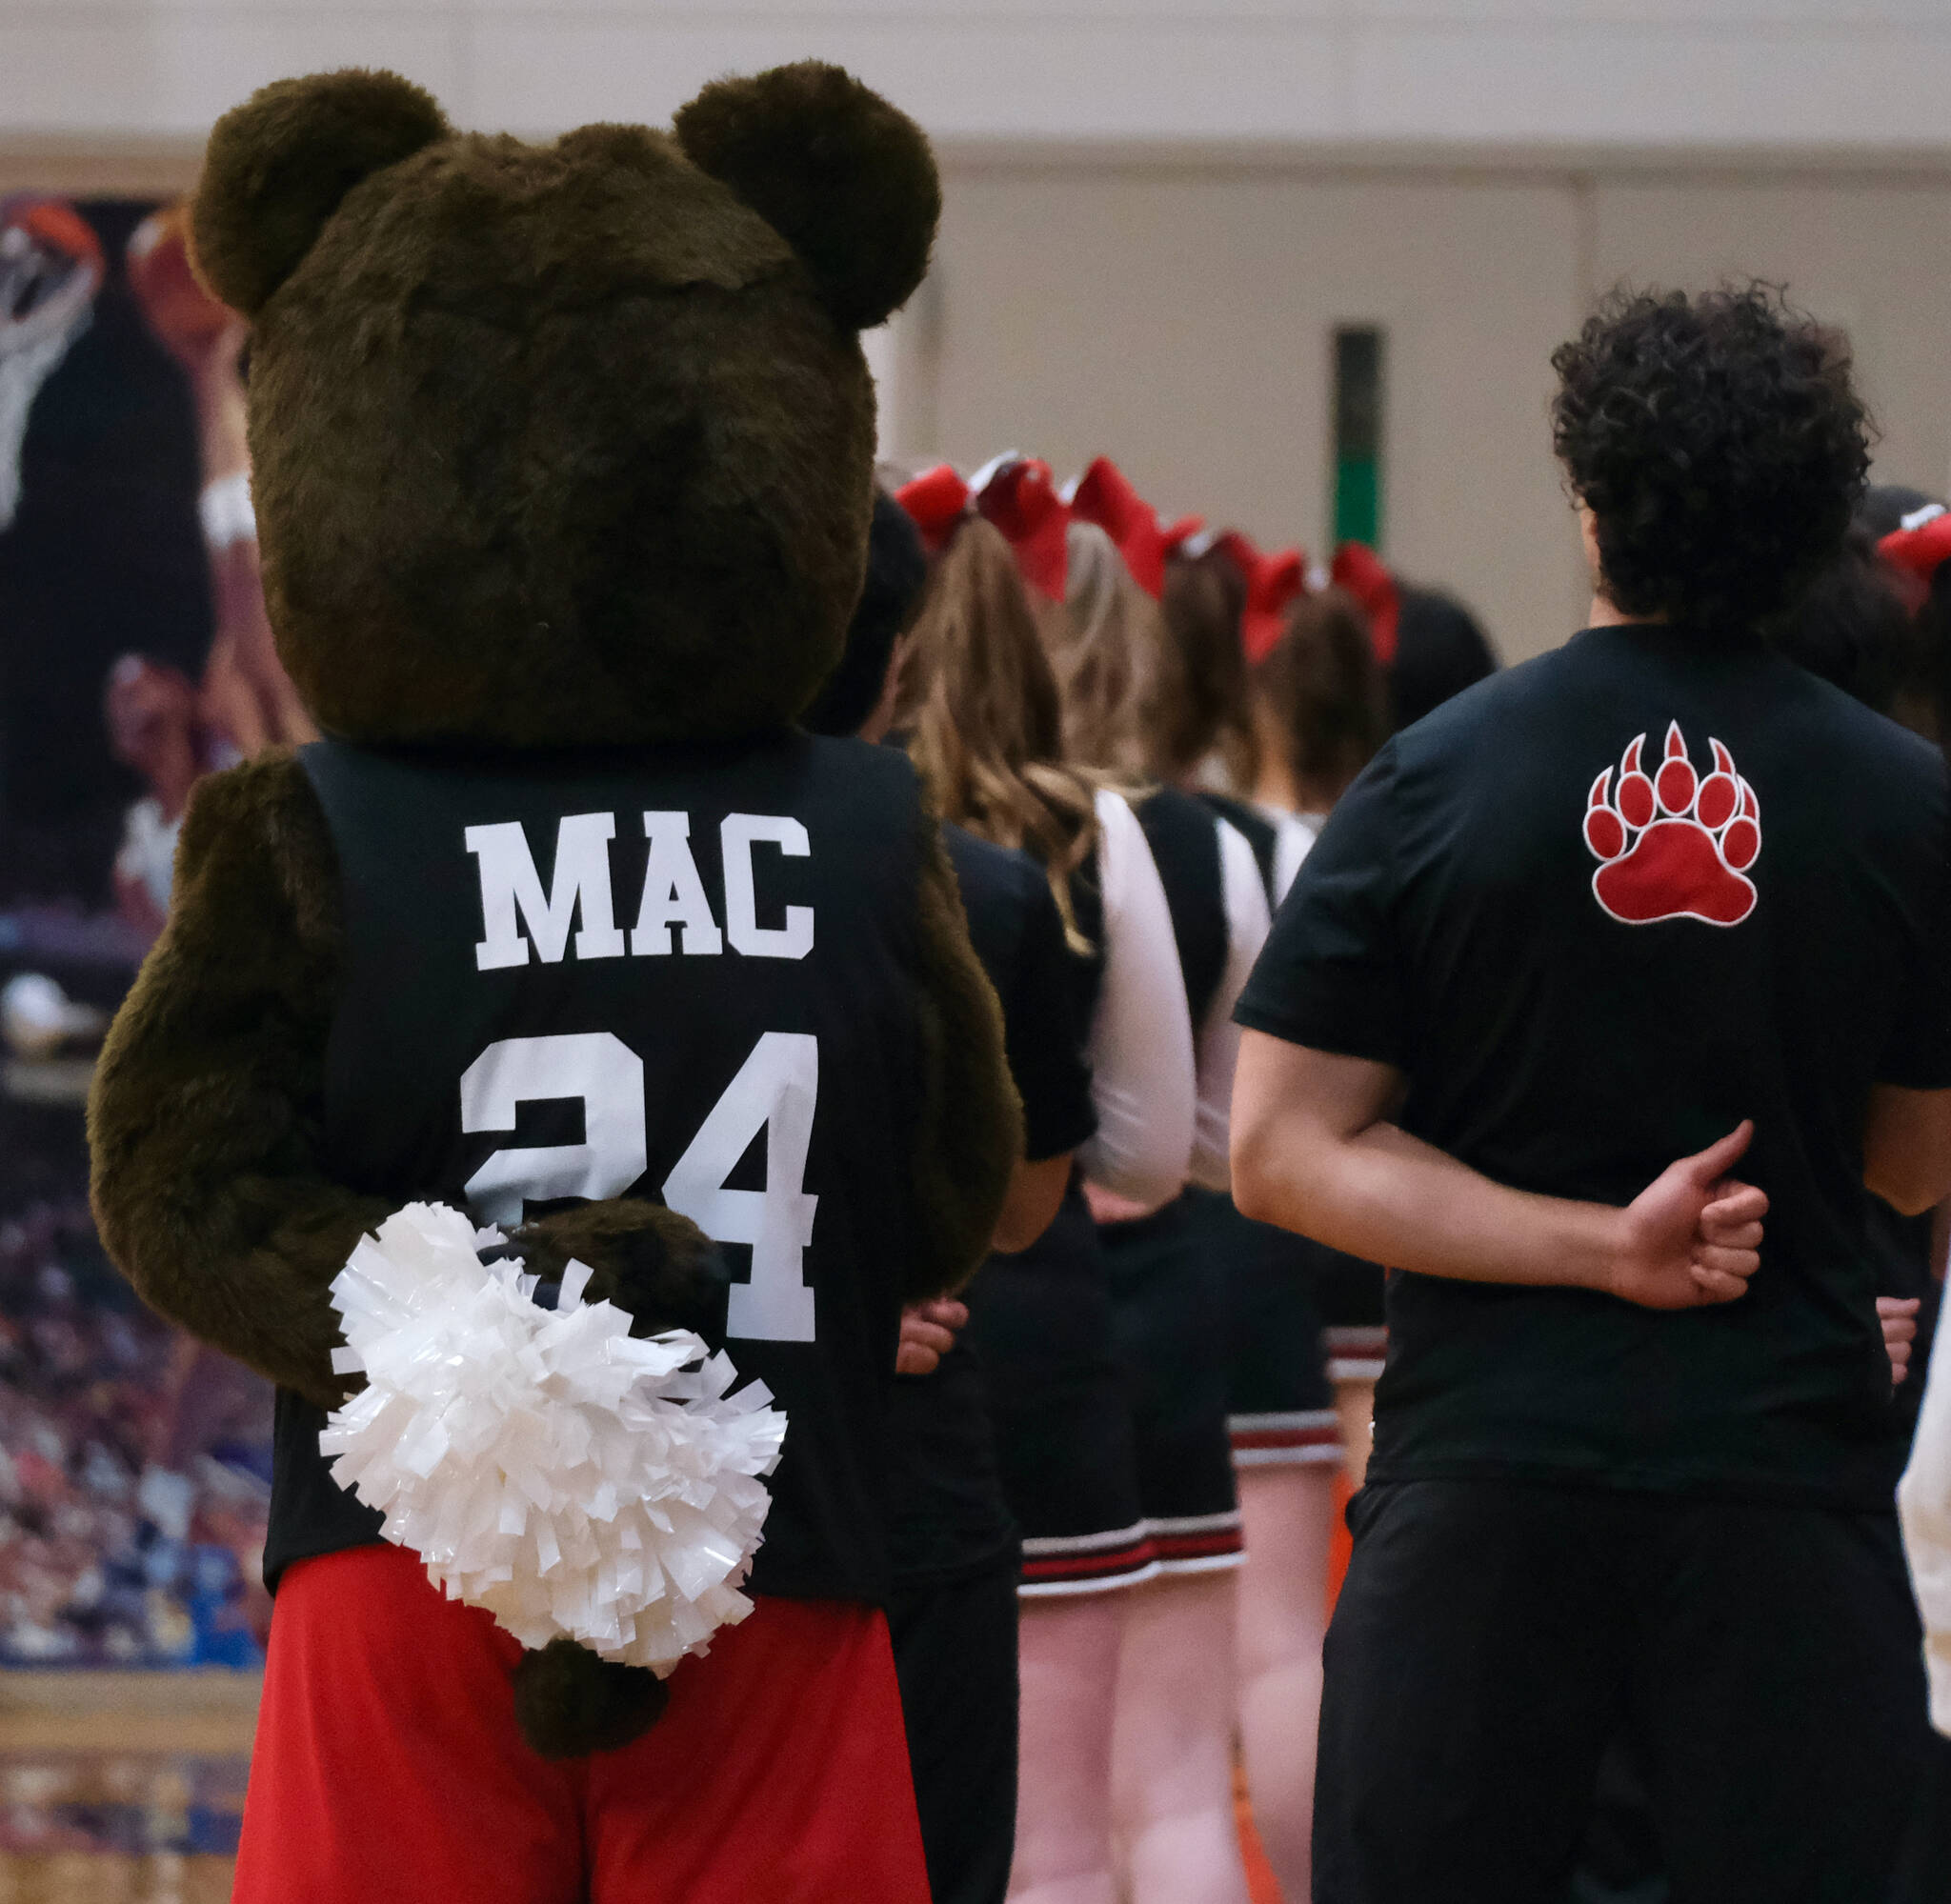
column 206, row 1114
column 970, row 1134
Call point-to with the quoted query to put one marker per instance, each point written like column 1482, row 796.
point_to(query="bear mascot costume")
column 563, row 474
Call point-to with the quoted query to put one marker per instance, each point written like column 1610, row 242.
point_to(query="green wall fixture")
column 1359, row 349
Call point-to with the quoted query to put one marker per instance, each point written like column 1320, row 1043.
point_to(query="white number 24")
column 775, row 1092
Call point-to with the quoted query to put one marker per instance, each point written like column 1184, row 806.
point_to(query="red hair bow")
column 1919, row 552
column 1018, row 495
column 1361, row 571
column 1273, row 583
column 936, row 499
column 1144, row 539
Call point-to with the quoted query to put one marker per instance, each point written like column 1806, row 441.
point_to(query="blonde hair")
column 984, row 718
column 1107, row 647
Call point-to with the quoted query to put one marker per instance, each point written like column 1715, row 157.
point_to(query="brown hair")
column 1322, row 692
column 984, row 718
column 1106, row 648
column 1202, row 702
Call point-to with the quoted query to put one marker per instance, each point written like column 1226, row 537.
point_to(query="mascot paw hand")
column 659, row 1267
column 569, row 1703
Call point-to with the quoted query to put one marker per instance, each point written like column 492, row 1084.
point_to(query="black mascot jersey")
column 683, row 973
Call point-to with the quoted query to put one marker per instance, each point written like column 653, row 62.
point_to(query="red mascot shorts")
column 387, row 1765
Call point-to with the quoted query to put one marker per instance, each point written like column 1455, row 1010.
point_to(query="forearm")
column 276, row 709
column 262, row 706
column 1387, row 1196
column 227, row 703
column 222, row 418
column 1907, row 1146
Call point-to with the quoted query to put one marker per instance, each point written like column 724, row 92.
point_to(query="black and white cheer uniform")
column 1281, row 1397
column 1040, row 1319
column 952, row 1615
column 1168, row 1281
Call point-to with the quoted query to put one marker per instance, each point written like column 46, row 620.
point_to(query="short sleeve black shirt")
column 1018, row 936
column 949, row 1516
column 1598, row 910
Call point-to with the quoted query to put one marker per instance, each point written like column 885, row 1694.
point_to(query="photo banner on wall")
column 134, row 657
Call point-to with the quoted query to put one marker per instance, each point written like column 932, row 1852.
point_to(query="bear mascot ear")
column 278, row 166
column 844, row 178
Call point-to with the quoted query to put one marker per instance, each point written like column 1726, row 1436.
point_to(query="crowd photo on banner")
column 786, row 1173
column 137, row 1465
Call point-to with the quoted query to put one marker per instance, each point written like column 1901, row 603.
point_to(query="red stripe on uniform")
column 1197, row 1546
column 1327, row 1436
column 1081, row 1565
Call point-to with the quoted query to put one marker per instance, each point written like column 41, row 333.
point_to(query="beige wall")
column 1173, row 309
column 1177, row 316
column 1410, row 162
column 1182, row 325
column 1872, row 256
column 1871, row 72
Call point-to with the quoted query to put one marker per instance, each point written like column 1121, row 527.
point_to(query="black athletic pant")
column 1924, row 1873
column 1491, row 1637
column 955, row 1657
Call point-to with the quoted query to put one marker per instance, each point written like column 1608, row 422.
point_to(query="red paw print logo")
column 1675, row 846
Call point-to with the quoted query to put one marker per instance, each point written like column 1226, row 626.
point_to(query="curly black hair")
column 1720, row 445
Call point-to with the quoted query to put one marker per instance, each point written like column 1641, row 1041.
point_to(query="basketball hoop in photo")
column 50, row 267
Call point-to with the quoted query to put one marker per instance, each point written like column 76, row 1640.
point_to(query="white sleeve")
column 1293, row 841
column 1248, row 922
column 1141, row 1036
column 1923, row 1505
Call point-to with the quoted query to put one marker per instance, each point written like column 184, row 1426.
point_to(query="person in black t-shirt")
column 983, row 712
column 956, row 1553
column 955, row 1549
column 1318, row 702
column 1918, row 542
column 1172, row 1745
column 1656, row 891
column 1852, row 628
column 1256, row 1295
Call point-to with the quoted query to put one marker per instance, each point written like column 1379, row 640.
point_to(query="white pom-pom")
column 574, row 1481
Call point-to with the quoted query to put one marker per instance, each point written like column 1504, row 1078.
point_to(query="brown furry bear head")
column 568, row 444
